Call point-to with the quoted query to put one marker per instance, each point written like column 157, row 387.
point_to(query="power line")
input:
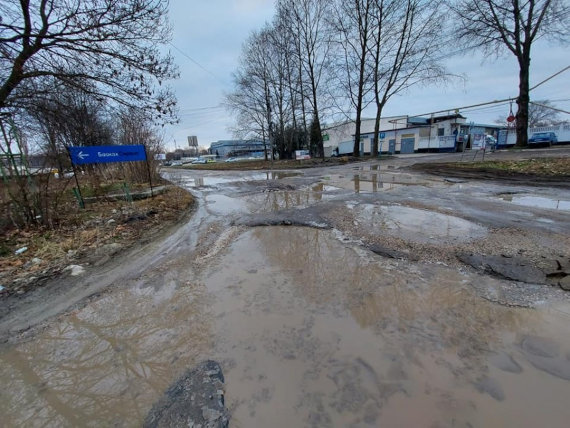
column 203, row 108
column 505, row 100
column 551, row 77
column 550, row 107
column 196, row 62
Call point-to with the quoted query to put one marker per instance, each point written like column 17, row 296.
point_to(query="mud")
column 515, row 269
column 357, row 343
column 196, row 399
column 488, row 174
column 356, row 313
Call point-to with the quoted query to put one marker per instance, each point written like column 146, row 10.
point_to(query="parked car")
column 543, row 137
column 199, row 161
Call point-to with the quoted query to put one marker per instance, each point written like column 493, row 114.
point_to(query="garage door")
column 407, row 145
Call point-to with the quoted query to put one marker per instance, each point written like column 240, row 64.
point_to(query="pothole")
column 537, row 201
column 417, row 225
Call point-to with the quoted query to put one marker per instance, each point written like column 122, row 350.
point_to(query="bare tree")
column 251, row 98
column 286, row 23
column 288, row 43
column 513, row 26
column 308, row 22
column 354, row 25
column 136, row 127
column 407, row 39
column 113, row 45
column 543, row 113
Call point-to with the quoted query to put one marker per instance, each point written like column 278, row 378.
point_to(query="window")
column 440, row 132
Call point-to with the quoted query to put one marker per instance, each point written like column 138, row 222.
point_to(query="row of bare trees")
column 333, row 59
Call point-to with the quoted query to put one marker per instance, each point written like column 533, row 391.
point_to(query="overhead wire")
column 495, row 102
column 196, row 62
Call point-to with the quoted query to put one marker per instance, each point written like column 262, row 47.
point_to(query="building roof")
column 486, row 125
column 418, row 120
column 233, row 143
column 352, row 121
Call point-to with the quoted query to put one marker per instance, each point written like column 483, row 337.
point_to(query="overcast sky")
column 207, row 40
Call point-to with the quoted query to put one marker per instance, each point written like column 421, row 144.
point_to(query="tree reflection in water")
column 108, row 362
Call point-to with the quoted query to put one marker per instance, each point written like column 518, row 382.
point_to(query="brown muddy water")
column 310, row 331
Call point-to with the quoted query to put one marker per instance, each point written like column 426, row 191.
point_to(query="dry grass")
column 82, row 233
column 543, row 166
column 278, row 164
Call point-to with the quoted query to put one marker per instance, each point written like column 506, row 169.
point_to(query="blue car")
column 543, row 137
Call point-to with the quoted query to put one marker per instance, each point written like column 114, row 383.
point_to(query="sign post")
column 78, row 193
column 108, row 154
column 149, row 174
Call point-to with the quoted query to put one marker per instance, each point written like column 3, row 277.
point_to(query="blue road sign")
column 103, row 154
column 382, row 135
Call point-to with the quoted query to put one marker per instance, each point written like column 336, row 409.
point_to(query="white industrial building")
column 404, row 134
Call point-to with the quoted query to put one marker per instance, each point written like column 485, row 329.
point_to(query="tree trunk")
column 317, row 135
column 356, row 147
column 363, row 30
column 356, row 151
column 374, row 150
column 522, row 102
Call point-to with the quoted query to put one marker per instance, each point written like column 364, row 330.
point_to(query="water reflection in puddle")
column 190, row 180
column 417, row 225
column 372, row 182
column 538, row 202
column 309, row 332
column 283, row 200
column 106, row 364
column 318, row 334
column 220, row 204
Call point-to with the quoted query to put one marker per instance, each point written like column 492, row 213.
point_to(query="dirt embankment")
column 33, row 256
column 534, row 172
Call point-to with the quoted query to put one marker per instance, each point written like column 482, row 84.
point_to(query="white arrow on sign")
column 82, row 155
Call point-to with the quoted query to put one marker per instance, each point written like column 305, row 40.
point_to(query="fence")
column 510, row 138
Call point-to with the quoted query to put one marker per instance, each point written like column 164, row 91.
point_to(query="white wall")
column 345, row 131
column 562, row 133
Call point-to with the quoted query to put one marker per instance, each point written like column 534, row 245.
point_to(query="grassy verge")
column 543, row 166
column 279, row 164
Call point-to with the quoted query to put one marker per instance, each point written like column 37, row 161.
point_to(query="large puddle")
column 309, row 332
column 197, row 181
column 106, row 364
column 285, row 199
column 417, row 225
column 538, row 202
column 372, row 181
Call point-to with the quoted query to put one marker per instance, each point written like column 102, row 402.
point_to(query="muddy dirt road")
column 356, row 295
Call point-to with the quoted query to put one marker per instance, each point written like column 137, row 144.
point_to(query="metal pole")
column 81, row 200
column 149, row 174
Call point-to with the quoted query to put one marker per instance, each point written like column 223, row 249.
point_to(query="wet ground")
column 330, row 297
